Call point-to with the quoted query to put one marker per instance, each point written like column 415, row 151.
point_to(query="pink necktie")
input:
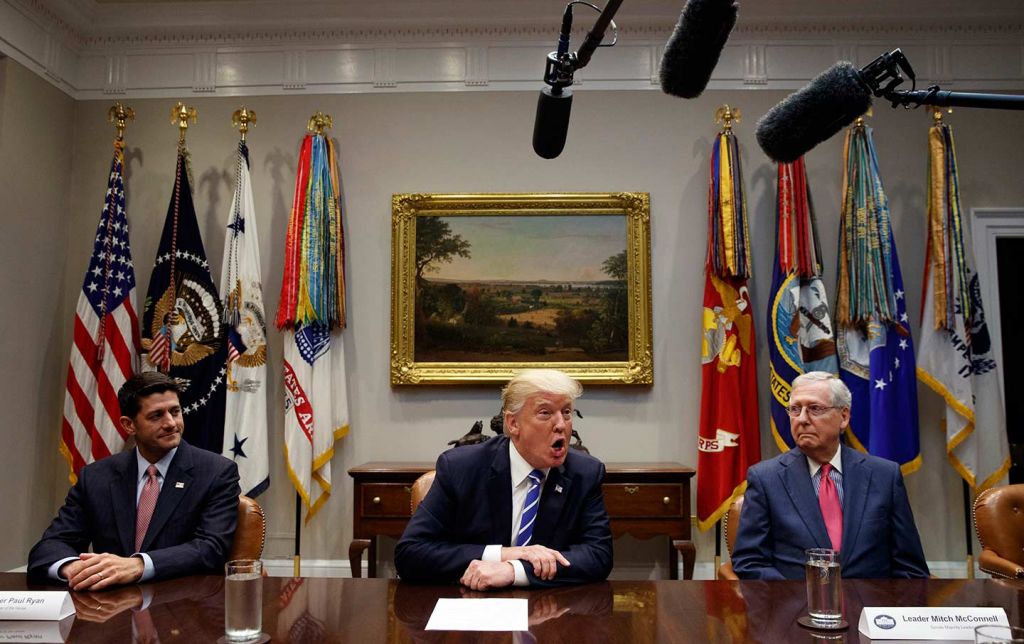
column 147, row 502
column 831, row 511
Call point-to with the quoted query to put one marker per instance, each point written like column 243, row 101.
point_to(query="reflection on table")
column 378, row 610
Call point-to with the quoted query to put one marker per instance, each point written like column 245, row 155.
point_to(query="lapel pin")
column 558, row 489
column 179, row 485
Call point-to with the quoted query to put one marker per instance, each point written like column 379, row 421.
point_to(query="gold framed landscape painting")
column 484, row 285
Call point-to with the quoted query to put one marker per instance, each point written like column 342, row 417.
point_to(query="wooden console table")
column 643, row 499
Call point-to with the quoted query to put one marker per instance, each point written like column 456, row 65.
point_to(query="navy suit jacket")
column 781, row 518
column 469, row 506
column 191, row 530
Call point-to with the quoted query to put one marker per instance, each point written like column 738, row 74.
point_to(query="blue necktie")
column 530, row 505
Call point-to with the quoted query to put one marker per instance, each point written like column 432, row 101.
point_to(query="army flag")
column 182, row 324
column 245, row 398
column 876, row 350
column 105, row 349
column 800, row 332
column 955, row 357
column 312, row 314
column 728, row 441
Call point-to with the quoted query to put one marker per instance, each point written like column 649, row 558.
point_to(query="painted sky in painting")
column 525, row 248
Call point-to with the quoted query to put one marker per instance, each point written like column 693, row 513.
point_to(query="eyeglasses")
column 814, row 410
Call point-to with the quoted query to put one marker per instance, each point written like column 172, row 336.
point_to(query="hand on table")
column 96, row 571
column 485, row 575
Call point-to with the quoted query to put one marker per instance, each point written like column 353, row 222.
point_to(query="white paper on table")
column 485, row 614
column 36, row 604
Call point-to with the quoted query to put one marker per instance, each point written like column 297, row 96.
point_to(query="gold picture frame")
column 511, row 289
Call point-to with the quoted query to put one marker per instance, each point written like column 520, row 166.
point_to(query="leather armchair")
column 419, row 490
column 732, row 527
column 999, row 520
column 251, row 533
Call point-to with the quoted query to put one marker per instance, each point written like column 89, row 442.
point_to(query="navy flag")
column 182, row 323
column 800, row 331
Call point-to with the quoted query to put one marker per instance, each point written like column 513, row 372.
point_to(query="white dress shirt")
column 520, row 482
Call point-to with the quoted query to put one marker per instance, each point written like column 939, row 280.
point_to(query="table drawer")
column 643, row 499
column 385, row 500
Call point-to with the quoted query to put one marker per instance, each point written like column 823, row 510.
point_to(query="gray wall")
column 36, row 124
column 477, row 142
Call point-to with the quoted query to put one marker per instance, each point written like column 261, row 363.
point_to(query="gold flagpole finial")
column 241, row 119
column 180, row 116
column 119, row 115
column 860, row 119
column 727, row 115
column 319, row 122
column 937, row 113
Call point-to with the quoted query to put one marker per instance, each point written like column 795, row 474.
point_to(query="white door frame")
column 987, row 225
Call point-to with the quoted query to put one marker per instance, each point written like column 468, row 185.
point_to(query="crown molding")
column 157, row 49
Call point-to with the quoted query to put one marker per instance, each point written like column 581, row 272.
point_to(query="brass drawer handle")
column 666, row 500
column 631, row 489
column 376, row 500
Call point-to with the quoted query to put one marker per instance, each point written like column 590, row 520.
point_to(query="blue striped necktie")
column 530, row 505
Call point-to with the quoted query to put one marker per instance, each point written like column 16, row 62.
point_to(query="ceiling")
column 95, row 18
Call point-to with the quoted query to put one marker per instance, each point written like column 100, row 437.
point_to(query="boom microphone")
column 555, row 103
column 827, row 104
column 692, row 50
column 551, row 124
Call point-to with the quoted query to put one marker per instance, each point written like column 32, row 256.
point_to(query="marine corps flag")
column 245, row 407
column 728, row 441
column 182, row 325
column 800, row 333
column 955, row 358
column 876, row 351
column 312, row 312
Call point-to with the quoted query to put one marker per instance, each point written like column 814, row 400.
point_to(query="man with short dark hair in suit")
column 520, row 509
column 164, row 509
column 824, row 495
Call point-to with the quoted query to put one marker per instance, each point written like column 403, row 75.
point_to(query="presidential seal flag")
column 800, row 333
column 876, row 350
column 312, row 313
column 245, row 398
column 105, row 349
column 182, row 325
column 955, row 357
column 728, row 441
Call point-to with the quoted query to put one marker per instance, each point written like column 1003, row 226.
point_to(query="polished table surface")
column 380, row 610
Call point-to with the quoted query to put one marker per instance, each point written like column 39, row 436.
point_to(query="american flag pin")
column 179, row 485
column 558, row 489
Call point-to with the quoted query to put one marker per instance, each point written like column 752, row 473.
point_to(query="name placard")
column 927, row 623
column 35, row 605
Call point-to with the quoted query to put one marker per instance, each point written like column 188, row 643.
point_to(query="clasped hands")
column 96, row 571
column 486, row 575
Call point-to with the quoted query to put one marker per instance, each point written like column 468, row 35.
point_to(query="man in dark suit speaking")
column 519, row 509
column 164, row 509
column 823, row 495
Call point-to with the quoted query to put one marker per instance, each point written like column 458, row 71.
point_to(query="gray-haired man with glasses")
column 825, row 495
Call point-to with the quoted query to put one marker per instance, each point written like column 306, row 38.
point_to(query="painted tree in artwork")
column 436, row 244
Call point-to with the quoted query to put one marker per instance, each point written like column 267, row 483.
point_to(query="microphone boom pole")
column 945, row 98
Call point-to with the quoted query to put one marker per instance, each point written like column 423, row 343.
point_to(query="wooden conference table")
column 315, row 610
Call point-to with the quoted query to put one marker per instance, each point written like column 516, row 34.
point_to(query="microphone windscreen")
column 830, row 102
column 692, row 50
column 552, row 122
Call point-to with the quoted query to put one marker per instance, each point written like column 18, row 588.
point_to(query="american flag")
column 106, row 337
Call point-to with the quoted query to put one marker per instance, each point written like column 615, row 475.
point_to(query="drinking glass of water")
column 993, row 634
column 824, row 587
column 243, row 600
